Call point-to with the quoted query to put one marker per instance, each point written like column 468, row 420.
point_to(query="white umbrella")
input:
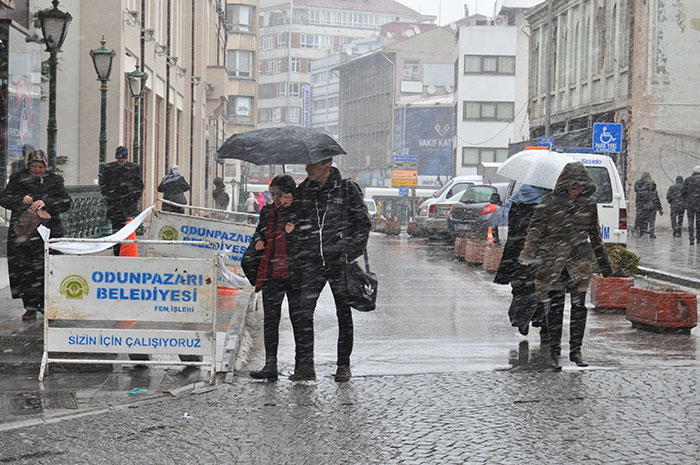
column 535, row 167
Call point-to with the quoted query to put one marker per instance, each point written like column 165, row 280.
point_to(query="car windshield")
column 477, row 194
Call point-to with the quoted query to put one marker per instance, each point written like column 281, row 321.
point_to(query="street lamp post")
column 54, row 27
column 137, row 86
column 102, row 59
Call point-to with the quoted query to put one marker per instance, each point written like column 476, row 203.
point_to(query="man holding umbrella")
column 333, row 227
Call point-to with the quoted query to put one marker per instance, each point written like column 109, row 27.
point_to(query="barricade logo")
column 167, row 233
column 74, row 287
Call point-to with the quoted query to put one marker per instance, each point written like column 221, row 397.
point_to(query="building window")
column 271, row 115
column 494, row 111
column 489, row 64
column 296, row 65
column 239, row 63
column 411, row 70
column 294, row 114
column 281, row 89
column 309, row 40
column 268, row 91
column 474, row 155
column 267, row 42
column 238, row 18
column 239, row 107
column 294, row 89
column 281, row 40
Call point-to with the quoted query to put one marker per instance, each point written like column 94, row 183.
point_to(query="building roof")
column 373, row 6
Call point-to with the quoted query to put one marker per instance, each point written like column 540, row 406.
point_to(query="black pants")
column 273, row 292
column 693, row 224
column 647, row 223
column 554, row 315
column 525, row 308
column 677, row 220
column 313, row 280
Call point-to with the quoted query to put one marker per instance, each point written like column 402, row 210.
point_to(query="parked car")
column 478, row 208
column 453, row 187
column 438, row 213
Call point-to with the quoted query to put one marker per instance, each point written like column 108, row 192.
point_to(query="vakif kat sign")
column 167, row 226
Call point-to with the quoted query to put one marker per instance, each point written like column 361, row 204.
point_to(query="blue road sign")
column 607, row 137
column 403, row 191
column 545, row 142
column 404, row 151
column 404, row 158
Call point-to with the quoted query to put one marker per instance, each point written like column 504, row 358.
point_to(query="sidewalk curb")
column 669, row 277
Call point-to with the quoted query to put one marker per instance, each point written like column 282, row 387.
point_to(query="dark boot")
column 544, row 338
column 343, row 374
column 268, row 372
column 577, row 358
column 554, row 364
column 304, row 372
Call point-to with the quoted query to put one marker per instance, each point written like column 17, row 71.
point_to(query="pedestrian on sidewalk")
column 173, row 186
column 649, row 203
column 674, row 197
column 121, row 185
column 250, row 203
column 640, row 186
column 333, row 226
column 524, row 307
column 221, row 197
column 278, row 273
column 563, row 235
column 691, row 197
column 33, row 189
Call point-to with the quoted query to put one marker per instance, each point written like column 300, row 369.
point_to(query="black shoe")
column 304, row 372
column 343, row 374
column 554, row 364
column 29, row 315
column 653, row 236
column 524, row 329
column 577, row 359
column 268, row 373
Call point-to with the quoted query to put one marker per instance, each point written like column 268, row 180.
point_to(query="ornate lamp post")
column 137, row 85
column 102, row 59
column 54, row 27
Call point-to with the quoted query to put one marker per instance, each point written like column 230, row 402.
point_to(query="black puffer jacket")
column 691, row 192
column 121, row 187
column 332, row 219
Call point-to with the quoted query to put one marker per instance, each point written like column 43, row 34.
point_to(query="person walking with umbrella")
column 333, row 227
column 173, row 186
column 561, row 238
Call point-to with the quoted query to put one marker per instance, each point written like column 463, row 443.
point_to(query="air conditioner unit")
column 500, row 21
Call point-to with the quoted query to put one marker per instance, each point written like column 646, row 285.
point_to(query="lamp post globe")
column 102, row 60
column 54, row 28
column 137, row 85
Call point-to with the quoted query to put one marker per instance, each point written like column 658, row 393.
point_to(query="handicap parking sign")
column 607, row 137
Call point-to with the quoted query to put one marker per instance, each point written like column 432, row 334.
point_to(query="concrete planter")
column 474, row 251
column 610, row 294
column 492, row 258
column 662, row 310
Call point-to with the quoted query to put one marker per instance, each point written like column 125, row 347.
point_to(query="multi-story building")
column 490, row 108
column 180, row 45
column 241, row 65
column 375, row 91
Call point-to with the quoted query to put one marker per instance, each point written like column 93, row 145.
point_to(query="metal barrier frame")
column 46, row 360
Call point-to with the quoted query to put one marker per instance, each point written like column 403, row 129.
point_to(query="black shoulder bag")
column 360, row 285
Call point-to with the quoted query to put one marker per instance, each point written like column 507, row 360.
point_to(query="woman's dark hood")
column 575, row 175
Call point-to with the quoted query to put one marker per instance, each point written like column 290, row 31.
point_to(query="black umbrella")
column 291, row 145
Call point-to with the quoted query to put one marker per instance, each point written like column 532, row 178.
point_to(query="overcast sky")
column 452, row 10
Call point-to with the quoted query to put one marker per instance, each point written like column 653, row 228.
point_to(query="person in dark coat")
column 33, row 188
column 278, row 272
column 121, row 185
column 221, row 197
column 649, row 203
column 173, row 186
column 640, row 186
column 563, row 235
column 691, row 198
column 674, row 197
column 524, row 307
column 333, row 228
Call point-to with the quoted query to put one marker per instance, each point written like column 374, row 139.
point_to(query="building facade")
column 491, row 75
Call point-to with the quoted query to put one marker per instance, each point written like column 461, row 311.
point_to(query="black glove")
column 606, row 271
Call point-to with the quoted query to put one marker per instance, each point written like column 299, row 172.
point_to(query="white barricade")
column 167, row 226
column 88, row 299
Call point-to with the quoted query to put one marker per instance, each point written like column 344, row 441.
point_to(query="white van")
column 451, row 187
column 610, row 196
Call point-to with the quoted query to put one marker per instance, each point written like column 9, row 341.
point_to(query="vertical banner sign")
column 166, row 226
column 306, row 106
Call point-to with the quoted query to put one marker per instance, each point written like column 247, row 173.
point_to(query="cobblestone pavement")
column 645, row 416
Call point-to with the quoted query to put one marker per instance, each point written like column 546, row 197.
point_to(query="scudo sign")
column 131, row 288
column 172, row 227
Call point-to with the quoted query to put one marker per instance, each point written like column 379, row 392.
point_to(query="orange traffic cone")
column 129, row 250
column 489, row 235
